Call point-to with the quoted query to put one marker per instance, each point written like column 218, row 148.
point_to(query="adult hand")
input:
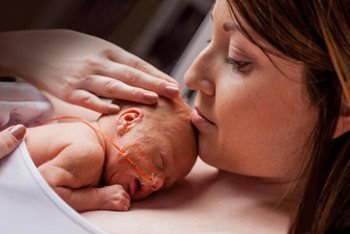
column 10, row 139
column 79, row 68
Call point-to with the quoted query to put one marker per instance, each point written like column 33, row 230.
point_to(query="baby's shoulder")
column 84, row 160
column 84, row 141
column 81, row 146
column 86, row 150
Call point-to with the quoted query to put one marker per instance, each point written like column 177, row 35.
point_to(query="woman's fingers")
column 10, row 139
column 115, row 89
column 91, row 101
column 137, row 78
column 123, row 57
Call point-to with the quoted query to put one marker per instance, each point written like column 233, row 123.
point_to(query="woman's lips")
column 199, row 120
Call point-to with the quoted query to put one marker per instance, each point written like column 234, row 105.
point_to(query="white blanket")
column 21, row 102
column 28, row 204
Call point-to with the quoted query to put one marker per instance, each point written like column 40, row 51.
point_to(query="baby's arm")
column 112, row 197
column 71, row 174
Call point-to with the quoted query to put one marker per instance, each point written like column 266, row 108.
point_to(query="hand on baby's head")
column 159, row 140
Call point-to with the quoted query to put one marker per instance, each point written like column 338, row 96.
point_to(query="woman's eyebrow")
column 227, row 26
column 231, row 27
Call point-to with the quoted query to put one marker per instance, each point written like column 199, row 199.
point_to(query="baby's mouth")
column 134, row 187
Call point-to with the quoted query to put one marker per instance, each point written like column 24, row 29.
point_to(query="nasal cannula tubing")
column 109, row 140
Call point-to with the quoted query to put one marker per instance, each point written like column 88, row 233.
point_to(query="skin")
column 76, row 162
column 10, row 138
column 253, row 119
column 79, row 69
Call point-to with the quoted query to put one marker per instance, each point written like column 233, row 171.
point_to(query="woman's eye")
column 209, row 41
column 238, row 65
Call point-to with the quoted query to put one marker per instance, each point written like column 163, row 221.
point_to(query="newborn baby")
column 90, row 174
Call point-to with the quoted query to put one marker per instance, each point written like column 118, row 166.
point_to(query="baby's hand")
column 114, row 197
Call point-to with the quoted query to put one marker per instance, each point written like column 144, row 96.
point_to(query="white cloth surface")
column 28, row 204
column 21, row 102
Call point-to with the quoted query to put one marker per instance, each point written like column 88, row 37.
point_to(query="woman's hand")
column 10, row 139
column 79, row 68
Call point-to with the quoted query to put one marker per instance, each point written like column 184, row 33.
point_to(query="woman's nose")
column 198, row 76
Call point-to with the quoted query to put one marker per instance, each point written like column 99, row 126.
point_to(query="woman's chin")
column 209, row 158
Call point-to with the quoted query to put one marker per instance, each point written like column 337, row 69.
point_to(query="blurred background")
column 159, row 31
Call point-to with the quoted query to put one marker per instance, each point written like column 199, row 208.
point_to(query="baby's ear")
column 128, row 119
column 343, row 124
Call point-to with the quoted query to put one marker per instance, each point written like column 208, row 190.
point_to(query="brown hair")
column 316, row 33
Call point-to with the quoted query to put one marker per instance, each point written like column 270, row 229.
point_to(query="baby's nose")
column 156, row 185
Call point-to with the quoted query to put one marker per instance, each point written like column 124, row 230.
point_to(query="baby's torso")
column 70, row 146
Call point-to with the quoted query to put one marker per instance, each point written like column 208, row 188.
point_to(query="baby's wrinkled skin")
column 89, row 174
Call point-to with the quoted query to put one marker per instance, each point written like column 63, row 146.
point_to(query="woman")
column 273, row 101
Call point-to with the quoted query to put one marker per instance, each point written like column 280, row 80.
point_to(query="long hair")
column 316, row 33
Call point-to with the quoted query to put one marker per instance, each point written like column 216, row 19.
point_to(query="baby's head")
column 159, row 139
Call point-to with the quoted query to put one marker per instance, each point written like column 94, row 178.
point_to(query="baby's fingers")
column 123, row 200
column 122, row 204
column 115, row 198
column 10, row 139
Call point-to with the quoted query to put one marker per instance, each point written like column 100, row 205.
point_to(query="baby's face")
column 165, row 157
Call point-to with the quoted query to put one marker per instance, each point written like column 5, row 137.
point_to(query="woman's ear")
column 128, row 119
column 343, row 124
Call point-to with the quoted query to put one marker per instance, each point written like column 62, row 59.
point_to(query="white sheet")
column 21, row 102
column 28, row 204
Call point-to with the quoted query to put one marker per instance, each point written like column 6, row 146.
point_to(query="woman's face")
column 253, row 117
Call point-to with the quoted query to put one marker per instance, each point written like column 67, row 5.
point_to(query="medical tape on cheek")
column 143, row 162
column 150, row 179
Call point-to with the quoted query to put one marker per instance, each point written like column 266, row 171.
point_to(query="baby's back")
column 72, row 146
